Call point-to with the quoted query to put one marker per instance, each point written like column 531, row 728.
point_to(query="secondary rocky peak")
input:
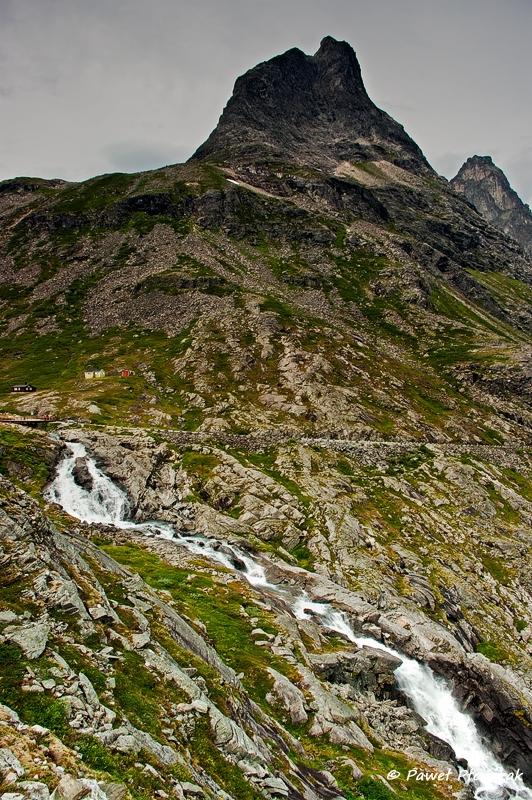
column 339, row 72
column 311, row 110
column 486, row 187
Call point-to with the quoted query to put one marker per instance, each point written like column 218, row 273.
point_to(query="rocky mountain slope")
column 487, row 188
column 252, row 290
column 314, row 350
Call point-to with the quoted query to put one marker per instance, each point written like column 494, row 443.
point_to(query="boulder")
column 192, row 789
column 114, row 791
column 126, row 743
column 333, row 716
column 103, row 614
column 356, row 772
column 34, row 790
column 289, row 695
column 81, row 473
column 70, row 788
column 276, row 787
column 31, row 638
column 7, row 616
column 140, row 640
column 10, row 763
column 347, row 735
column 88, row 690
column 367, row 669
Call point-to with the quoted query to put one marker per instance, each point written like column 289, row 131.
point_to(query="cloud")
column 140, row 156
column 519, row 173
column 86, row 87
column 448, row 164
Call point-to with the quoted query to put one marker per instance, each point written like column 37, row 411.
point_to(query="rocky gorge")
column 316, row 360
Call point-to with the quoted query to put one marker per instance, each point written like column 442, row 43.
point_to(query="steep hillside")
column 250, row 290
column 317, row 357
column 487, row 188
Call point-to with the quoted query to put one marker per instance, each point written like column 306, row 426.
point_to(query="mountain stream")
column 430, row 695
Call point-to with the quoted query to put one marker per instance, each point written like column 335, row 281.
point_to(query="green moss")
column 207, row 756
column 502, row 286
column 34, row 708
column 97, row 756
column 123, row 253
column 266, row 460
column 497, row 569
column 373, row 789
column 220, row 609
column 281, row 309
column 93, row 195
column 175, row 282
column 24, row 459
column 139, row 694
column 200, row 464
column 520, row 481
column 14, row 589
column 344, row 467
column 489, row 436
column 446, row 304
column 494, row 651
column 80, row 663
column 304, row 557
column 13, row 667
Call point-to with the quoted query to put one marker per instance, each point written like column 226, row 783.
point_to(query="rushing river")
column 430, row 695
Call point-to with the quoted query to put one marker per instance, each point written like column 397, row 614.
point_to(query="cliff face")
column 486, row 187
column 311, row 110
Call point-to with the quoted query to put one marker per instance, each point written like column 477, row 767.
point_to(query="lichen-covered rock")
column 70, row 788
column 10, row 763
column 31, row 638
column 34, row 790
column 289, row 695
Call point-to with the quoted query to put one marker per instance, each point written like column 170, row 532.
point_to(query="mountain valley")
column 303, row 350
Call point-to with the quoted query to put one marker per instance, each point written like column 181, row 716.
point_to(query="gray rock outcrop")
column 486, row 187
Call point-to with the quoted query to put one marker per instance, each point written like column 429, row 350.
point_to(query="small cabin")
column 126, row 373
column 23, row 387
column 96, row 373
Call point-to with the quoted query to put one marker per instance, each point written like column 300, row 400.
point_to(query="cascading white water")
column 107, row 504
column 104, row 503
column 430, row 695
column 432, row 698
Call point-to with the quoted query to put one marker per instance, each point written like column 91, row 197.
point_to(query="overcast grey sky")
column 94, row 86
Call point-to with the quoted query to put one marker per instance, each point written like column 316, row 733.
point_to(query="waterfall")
column 103, row 503
column 431, row 696
column 106, row 503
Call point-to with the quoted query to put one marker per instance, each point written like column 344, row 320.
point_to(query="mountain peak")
column 486, row 187
column 336, row 55
column 311, row 110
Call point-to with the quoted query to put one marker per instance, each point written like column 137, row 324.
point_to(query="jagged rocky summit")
column 486, row 186
column 312, row 110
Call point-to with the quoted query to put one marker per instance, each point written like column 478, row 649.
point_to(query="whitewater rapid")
column 429, row 694
column 431, row 697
